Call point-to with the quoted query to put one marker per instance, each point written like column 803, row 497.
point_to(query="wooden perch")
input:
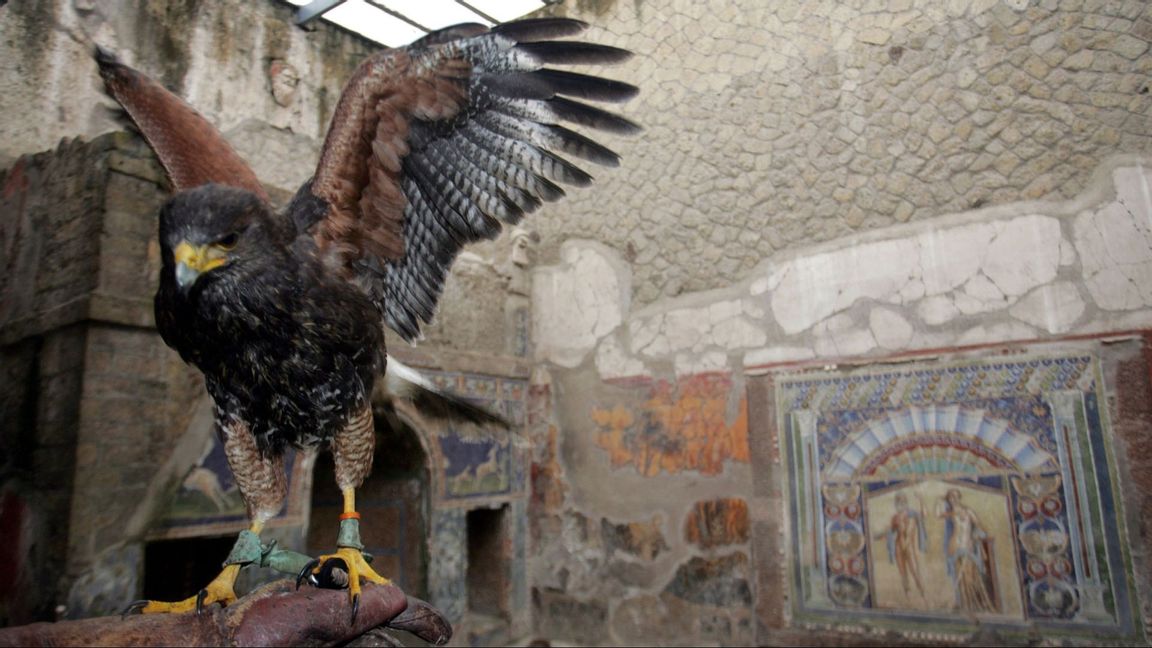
column 273, row 615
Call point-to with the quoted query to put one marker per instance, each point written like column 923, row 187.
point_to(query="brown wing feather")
column 360, row 166
column 434, row 145
column 191, row 149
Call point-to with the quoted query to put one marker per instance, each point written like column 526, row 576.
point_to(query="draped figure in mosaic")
column 966, row 554
column 431, row 146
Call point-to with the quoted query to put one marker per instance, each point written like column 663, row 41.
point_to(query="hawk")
column 431, row 146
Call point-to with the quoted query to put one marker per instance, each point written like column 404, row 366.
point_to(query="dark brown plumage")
column 431, row 147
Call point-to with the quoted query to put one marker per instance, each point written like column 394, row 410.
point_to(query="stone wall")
column 100, row 421
column 269, row 86
column 99, row 387
column 643, row 425
column 773, row 125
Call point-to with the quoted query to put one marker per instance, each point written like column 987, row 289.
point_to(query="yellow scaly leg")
column 221, row 590
column 349, row 551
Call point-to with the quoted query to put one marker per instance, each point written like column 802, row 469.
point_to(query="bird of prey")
column 431, row 146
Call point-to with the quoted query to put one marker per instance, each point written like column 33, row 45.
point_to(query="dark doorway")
column 392, row 502
column 488, row 555
column 177, row 569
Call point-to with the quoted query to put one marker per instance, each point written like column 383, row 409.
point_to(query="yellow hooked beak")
column 193, row 260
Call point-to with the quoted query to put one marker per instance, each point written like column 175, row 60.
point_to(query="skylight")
column 398, row 22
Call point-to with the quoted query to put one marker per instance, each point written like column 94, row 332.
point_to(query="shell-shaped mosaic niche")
column 936, row 440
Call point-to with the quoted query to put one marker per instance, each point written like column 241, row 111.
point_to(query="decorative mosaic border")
column 1017, row 448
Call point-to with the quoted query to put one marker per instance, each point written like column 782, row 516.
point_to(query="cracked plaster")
column 1015, row 272
column 773, row 126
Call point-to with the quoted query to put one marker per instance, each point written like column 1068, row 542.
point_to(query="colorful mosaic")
column 943, row 496
column 208, row 501
column 504, row 396
column 690, row 424
column 475, row 466
column 486, row 464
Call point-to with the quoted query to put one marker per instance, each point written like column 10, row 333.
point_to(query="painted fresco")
column 717, row 522
column 475, row 466
column 208, row 501
column 678, row 426
column 487, row 464
column 942, row 496
column 504, row 396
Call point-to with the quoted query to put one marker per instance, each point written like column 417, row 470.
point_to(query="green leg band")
column 349, row 535
column 285, row 561
column 246, row 550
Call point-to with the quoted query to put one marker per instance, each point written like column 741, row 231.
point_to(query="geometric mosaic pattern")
column 939, row 496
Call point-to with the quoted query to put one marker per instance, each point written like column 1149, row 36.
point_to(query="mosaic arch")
column 946, row 495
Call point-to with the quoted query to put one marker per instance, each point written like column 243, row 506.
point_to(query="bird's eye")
column 228, row 242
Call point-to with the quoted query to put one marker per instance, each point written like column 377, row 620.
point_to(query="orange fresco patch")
column 680, row 426
column 718, row 522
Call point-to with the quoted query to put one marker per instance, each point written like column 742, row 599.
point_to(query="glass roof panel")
column 373, row 20
column 433, row 15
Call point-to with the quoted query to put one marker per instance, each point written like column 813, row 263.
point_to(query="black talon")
column 135, row 607
column 355, row 607
column 200, row 596
column 306, row 572
column 325, row 578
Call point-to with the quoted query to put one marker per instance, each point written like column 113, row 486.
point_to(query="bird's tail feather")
column 402, row 381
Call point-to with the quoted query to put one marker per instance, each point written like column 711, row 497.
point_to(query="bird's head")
column 208, row 231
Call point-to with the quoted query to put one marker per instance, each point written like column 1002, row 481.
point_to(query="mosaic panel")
column 208, row 501
column 504, row 396
column 949, row 495
column 482, row 465
column 475, row 467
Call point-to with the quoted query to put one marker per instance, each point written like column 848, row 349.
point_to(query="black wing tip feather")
column 451, row 407
column 576, row 53
column 586, row 115
column 110, row 64
column 533, row 29
column 584, row 86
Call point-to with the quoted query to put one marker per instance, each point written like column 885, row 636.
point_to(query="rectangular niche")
column 177, row 569
column 941, row 496
column 488, row 562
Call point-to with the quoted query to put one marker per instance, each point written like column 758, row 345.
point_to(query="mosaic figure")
column 967, row 551
column 906, row 540
column 942, row 495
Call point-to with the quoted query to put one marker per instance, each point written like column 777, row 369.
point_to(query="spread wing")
column 434, row 145
column 191, row 149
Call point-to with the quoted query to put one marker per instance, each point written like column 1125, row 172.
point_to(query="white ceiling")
column 377, row 19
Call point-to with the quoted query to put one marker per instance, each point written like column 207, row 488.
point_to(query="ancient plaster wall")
column 642, row 419
column 268, row 85
column 772, row 125
column 1015, row 272
column 100, row 420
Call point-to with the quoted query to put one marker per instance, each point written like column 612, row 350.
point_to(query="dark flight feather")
column 446, row 139
column 431, row 147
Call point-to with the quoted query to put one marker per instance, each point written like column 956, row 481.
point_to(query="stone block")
column 568, row 618
column 720, row 582
column 644, row 539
